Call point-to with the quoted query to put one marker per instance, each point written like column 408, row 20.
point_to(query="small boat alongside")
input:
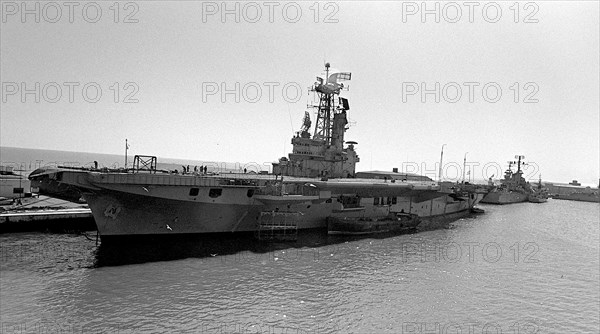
column 540, row 194
column 538, row 198
column 400, row 222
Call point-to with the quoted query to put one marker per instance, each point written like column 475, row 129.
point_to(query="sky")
column 199, row 81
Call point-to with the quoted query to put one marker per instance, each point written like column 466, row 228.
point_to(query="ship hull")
column 124, row 213
column 118, row 213
column 538, row 200
column 500, row 197
column 163, row 204
column 593, row 199
column 441, row 221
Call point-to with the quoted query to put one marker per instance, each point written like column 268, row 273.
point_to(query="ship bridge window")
column 194, row 191
column 214, row 193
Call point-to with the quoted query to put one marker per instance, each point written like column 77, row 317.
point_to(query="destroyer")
column 513, row 188
column 316, row 182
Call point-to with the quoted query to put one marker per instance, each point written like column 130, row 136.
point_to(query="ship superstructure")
column 323, row 154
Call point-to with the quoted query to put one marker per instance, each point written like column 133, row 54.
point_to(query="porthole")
column 214, row 193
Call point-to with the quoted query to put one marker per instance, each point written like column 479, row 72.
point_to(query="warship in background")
column 578, row 193
column 513, row 188
column 315, row 184
column 582, row 196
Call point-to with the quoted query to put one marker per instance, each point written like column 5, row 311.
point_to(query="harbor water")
column 521, row 268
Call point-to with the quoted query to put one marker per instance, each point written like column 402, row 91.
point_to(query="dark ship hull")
column 504, row 197
column 580, row 197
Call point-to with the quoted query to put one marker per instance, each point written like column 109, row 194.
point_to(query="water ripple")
column 522, row 267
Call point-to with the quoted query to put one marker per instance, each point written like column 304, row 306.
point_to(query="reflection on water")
column 122, row 251
column 522, row 268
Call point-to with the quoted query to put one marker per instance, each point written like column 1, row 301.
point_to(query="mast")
column 126, row 148
column 520, row 157
column 464, row 166
column 441, row 160
column 328, row 126
column 323, row 126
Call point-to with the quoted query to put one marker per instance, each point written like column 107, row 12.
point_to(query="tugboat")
column 540, row 194
column 513, row 188
column 396, row 222
column 318, row 180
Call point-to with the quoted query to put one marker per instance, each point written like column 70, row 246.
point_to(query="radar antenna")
column 519, row 163
column 327, row 88
column 306, row 123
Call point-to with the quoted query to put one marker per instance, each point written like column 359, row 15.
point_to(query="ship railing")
column 161, row 178
column 277, row 226
column 244, row 179
column 277, row 189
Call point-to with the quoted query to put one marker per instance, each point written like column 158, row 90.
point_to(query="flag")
column 344, row 103
column 335, row 77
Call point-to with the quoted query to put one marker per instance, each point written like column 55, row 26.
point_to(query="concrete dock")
column 45, row 214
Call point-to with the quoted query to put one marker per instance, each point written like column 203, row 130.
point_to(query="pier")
column 45, row 214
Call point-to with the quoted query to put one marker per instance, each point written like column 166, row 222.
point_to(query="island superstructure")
column 323, row 154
